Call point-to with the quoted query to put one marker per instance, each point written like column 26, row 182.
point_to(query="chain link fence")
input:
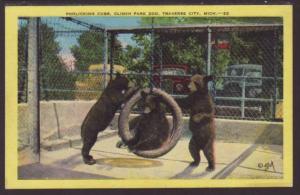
column 247, row 60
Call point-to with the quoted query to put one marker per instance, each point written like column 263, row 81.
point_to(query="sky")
column 111, row 22
column 107, row 22
column 67, row 40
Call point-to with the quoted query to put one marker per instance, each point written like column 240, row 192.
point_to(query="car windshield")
column 172, row 71
column 235, row 72
column 252, row 73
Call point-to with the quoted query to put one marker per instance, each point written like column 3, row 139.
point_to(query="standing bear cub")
column 102, row 113
column 201, row 123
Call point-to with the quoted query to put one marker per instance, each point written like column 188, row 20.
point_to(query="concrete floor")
column 234, row 160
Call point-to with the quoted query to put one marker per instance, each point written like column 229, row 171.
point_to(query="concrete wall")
column 65, row 118
column 56, row 117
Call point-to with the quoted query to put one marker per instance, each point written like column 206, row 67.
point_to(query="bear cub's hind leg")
column 209, row 154
column 195, row 152
column 87, row 145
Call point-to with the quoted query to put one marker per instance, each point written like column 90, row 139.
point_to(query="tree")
column 190, row 49
column 137, row 59
column 54, row 77
column 179, row 48
column 90, row 50
column 130, row 57
column 184, row 50
column 221, row 59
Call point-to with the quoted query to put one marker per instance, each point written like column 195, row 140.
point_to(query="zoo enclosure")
column 245, row 58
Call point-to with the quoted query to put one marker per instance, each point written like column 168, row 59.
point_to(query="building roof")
column 197, row 28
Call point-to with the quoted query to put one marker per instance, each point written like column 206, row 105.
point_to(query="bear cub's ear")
column 209, row 78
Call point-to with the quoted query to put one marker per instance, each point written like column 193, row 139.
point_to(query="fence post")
column 275, row 75
column 243, row 98
column 112, row 43
column 160, row 62
column 33, row 99
column 208, row 52
column 25, row 85
column 152, row 53
column 105, row 59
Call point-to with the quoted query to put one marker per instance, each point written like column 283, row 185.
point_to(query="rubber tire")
column 175, row 131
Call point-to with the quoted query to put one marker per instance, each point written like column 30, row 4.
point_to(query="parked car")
column 173, row 78
column 233, row 84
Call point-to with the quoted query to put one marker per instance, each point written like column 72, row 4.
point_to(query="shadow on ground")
column 187, row 173
column 40, row 171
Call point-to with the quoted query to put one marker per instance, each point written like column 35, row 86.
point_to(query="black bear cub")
column 201, row 123
column 151, row 128
column 102, row 113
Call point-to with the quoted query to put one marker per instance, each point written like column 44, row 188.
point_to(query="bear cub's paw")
column 194, row 164
column 210, row 169
column 197, row 118
column 121, row 144
column 89, row 160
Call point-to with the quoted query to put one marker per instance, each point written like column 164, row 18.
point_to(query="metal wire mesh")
column 74, row 61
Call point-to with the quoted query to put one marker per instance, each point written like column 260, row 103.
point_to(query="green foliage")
column 221, row 59
column 191, row 50
column 186, row 51
column 137, row 59
column 53, row 73
column 89, row 49
column 130, row 57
